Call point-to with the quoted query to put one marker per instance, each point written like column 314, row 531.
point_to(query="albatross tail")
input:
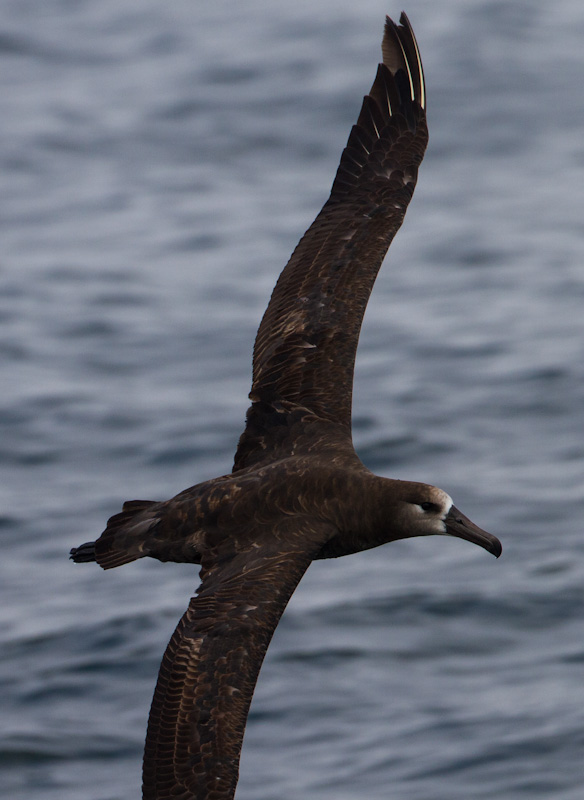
column 123, row 539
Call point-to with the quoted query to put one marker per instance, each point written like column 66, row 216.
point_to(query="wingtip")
column 391, row 49
column 400, row 51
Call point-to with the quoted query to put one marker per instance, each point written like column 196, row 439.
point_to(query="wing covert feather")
column 304, row 352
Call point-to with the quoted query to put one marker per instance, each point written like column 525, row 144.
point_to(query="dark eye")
column 429, row 507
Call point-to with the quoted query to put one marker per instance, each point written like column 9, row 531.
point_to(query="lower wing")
column 210, row 667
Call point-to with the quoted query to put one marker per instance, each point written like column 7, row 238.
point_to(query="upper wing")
column 305, row 348
column 210, row 667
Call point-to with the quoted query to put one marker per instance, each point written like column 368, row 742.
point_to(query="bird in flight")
column 297, row 491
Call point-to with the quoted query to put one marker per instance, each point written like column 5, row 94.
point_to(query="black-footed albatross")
column 297, row 491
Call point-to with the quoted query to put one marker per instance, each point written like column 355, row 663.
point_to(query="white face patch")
column 440, row 499
column 435, row 517
column 447, row 503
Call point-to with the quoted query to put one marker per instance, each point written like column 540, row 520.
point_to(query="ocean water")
column 158, row 163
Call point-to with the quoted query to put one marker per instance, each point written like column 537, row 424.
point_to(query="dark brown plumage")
column 298, row 491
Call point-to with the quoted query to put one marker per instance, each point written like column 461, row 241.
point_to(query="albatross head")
column 426, row 510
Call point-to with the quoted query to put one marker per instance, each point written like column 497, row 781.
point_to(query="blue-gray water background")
column 158, row 163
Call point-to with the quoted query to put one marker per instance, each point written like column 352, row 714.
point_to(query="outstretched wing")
column 305, row 348
column 210, row 667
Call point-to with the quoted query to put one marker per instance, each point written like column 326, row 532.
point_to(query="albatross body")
column 298, row 491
